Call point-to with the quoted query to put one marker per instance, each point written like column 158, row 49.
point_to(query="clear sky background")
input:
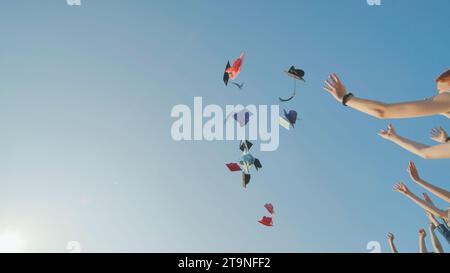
column 86, row 153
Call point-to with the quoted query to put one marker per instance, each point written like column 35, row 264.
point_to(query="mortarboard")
column 233, row 167
column 245, row 145
column 226, row 77
column 295, row 73
column 267, row 221
column 242, row 117
column 291, row 116
column 269, row 208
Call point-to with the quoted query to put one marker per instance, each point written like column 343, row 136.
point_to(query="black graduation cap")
column 245, row 179
column 226, row 77
column 257, row 164
column 296, row 73
column 245, row 145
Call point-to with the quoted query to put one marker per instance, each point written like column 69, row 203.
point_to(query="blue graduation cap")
column 291, row 116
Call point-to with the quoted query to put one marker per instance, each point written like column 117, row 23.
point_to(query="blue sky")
column 86, row 151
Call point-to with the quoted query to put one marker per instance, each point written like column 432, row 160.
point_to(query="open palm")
column 335, row 87
column 439, row 135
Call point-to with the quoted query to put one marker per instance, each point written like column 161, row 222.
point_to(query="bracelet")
column 346, row 98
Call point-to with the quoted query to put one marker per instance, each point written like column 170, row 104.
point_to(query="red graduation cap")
column 267, row 221
column 234, row 167
column 234, row 70
column 269, row 208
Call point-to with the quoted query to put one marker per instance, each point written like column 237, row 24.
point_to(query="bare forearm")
column 393, row 247
column 441, row 193
column 422, row 245
column 429, row 208
column 421, row 108
column 374, row 108
column 412, row 146
column 435, row 242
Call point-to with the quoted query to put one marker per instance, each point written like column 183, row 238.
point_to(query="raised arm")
column 422, row 244
column 401, row 188
column 441, row 193
column 437, row 105
column 434, row 240
column 424, row 151
column 433, row 225
column 390, row 238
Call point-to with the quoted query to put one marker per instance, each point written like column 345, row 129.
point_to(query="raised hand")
column 390, row 237
column 431, row 226
column 335, row 87
column 412, row 170
column 401, row 188
column 389, row 134
column 422, row 233
column 439, row 135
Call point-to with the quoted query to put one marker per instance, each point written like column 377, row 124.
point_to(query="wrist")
column 447, row 140
column 346, row 98
column 394, row 137
column 418, row 180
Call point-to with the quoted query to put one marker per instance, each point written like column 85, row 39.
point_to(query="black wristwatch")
column 346, row 98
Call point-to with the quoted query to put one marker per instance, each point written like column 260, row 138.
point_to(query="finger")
column 333, row 80
column 326, row 88
column 330, row 85
column 337, row 78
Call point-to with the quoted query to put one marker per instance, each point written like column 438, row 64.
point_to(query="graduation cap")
column 226, row 76
column 291, row 117
column 266, row 221
column 231, row 72
column 233, row 167
column 245, row 145
column 245, row 179
column 269, row 208
column 257, row 164
column 295, row 73
column 242, row 117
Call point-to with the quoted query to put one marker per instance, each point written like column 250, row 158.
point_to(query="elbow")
column 426, row 154
column 381, row 112
column 380, row 115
